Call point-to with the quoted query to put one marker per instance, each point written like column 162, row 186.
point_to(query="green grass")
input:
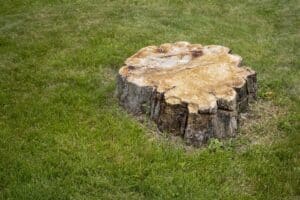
column 63, row 135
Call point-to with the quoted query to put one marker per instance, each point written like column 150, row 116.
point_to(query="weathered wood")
column 190, row 90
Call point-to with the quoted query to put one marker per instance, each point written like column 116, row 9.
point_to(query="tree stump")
column 189, row 90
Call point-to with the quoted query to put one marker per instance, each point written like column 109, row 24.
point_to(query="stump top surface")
column 188, row 73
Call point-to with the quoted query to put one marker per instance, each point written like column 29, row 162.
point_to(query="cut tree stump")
column 189, row 90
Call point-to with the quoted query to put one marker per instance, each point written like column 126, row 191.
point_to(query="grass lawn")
column 63, row 135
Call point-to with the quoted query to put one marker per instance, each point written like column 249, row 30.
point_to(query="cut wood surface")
column 188, row 89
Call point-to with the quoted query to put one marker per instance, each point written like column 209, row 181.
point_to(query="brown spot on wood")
column 160, row 50
column 130, row 67
column 197, row 53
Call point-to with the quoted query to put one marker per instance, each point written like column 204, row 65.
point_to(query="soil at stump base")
column 189, row 90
